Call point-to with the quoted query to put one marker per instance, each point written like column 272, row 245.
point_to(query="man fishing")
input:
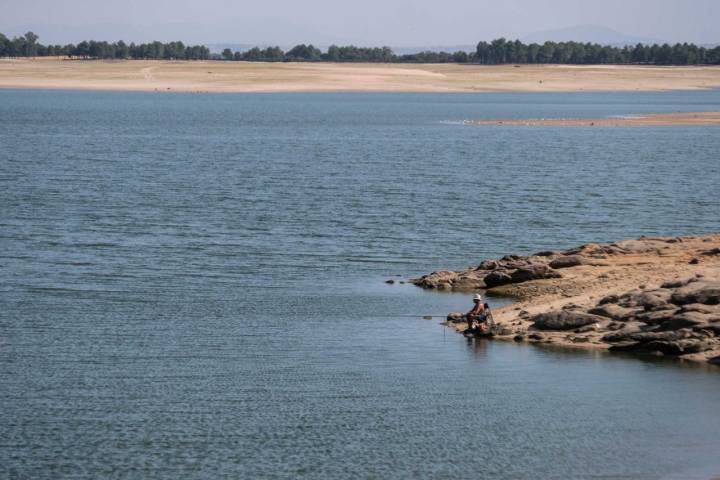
column 477, row 317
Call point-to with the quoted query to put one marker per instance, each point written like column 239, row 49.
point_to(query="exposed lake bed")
column 647, row 120
column 193, row 286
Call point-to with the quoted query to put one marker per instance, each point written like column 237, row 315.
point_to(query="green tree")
column 4, row 45
column 122, row 50
column 30, row 45
column 303, row 52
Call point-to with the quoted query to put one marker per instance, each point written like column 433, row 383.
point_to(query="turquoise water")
column 193, row 286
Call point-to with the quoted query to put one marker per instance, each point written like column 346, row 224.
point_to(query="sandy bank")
column 216, row 76
column 648, row 120
column 656, row 296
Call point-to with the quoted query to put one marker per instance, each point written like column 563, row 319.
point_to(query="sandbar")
column 220, row 76
column 644, row 120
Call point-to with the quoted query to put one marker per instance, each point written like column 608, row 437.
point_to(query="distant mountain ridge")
column 589, row 33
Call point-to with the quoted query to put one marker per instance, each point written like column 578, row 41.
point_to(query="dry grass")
column 215, row 76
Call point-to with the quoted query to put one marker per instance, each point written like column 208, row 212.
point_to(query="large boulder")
column 657, row 317
column 567, row 261
column 435, row 279
column 615, row 312
column 497, row 278
column 467, row 281
column 688, row 320
column 622, row 335
column 447, row 280
column 649, row 300
column 652, row 301
column 680, row 342
column 711, row 328
column 677, row 283
column 564, row 320
column 697, row 292
column 535, row 271
column 702, row 308
column 679, row 347
column 644, row 337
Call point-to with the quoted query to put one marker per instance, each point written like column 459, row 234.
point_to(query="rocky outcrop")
column 492, row 273
column 679, row 318
column 645, row 295
column 513, row 269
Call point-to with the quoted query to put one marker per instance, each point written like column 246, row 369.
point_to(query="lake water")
column 192, row 286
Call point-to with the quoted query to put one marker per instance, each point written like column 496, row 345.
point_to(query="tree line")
column 27, row 46
column 496, row 52
column 501, row 51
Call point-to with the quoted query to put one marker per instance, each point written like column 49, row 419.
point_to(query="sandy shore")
column 216, row 76
column 657, row 296
column 648, row 120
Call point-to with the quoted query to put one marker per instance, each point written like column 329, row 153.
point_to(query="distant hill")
column 588, row 33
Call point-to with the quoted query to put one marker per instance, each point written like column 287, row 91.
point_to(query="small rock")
column 588, row 328
column 487, row 265
column 694, row 261
column 609, row 299
column 519, row 338
column 390, row 282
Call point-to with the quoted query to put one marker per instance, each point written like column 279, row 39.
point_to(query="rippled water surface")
column 191, row 286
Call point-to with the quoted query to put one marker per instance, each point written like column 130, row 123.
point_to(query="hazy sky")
column 364, row 22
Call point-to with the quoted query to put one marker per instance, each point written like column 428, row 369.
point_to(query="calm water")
column 191, row 286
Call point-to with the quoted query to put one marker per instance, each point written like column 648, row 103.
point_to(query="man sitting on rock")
column 477, row 314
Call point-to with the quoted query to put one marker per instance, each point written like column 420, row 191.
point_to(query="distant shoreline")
column 249, row 77
column 644, row 120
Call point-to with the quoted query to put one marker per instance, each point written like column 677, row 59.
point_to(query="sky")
column 361, row 22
